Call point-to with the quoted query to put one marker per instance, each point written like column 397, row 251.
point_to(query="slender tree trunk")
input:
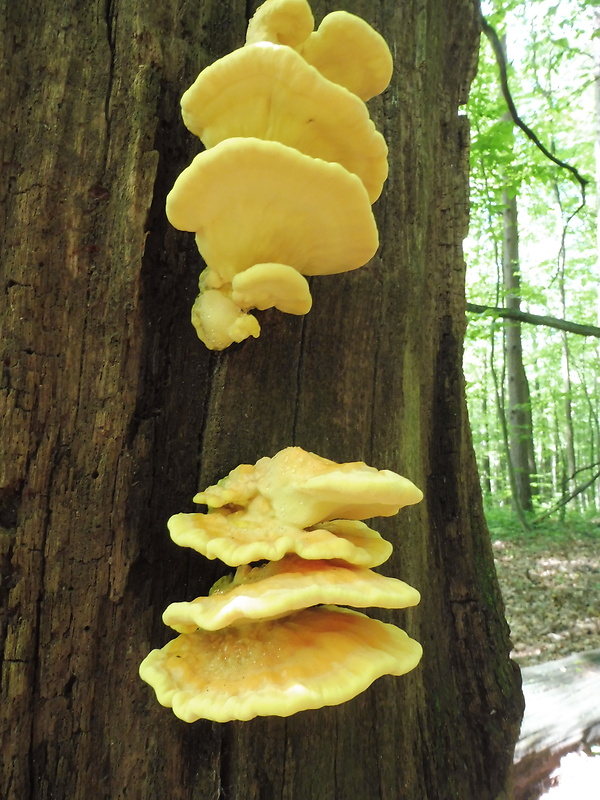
column 521, row 452
column 486, row 444
column 519, row 398
column 114, row 414
column 569, row 430
column 593, row 435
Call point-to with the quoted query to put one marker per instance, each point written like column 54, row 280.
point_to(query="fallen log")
column 562, row 714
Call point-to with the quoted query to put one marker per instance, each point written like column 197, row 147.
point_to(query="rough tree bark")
column 113, row 414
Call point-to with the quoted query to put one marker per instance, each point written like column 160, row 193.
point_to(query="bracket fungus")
column 280, row 587
column 303, row 489
column 288, row 22
column 268, row 91
column 274, row 639
column 292, row 165
column 242, row 537
column 344, row 48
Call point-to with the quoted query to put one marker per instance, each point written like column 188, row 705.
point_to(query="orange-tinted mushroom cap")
column 255, row 202
column 270, row 92
column 240, row 538
column 280, row 587
column 313, row 658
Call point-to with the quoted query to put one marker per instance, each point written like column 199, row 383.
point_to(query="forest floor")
column 550, row 581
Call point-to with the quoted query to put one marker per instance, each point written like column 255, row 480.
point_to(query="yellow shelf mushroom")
column 253, row 202
column 292, row 165
column 284, row 191
column 305, row 489
column 271, row 286
column 309, row 659
column 272, row 639
column 287, row 22
column 240, row 538
column 345, row 48
column 268, row 91
column 280, row 587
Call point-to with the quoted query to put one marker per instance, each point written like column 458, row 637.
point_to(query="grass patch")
column 503, row 524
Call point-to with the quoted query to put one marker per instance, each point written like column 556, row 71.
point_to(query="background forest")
column 532, row 247
column 533, row 252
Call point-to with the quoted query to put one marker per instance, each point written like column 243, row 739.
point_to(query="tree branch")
column 565, row 500
column 501, row 60
column 536, row 319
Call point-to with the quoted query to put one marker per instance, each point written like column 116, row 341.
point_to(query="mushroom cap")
column 280, row 587
column 272, row 285
column 239, row 538
column 361, row 493
column 312, row 658
column 304, row 489
column 287, row 22
column 254, row 202
column 347, row 50
column 219, row 322
column 270, row 92
column 236, row 489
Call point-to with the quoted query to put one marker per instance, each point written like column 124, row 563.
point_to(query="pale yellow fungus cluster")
column 291, row 166
column 272, row 639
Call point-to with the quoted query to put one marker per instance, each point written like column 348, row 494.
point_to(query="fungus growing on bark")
column 262, row 643
column 280, row 587
column 309, row 659
column 292, row 166
column 270, row 92
column 287, row 22
column 304, row 489
column 287, row 208
column 253, row 202
column 242, row 537
column 271, row 286
column 345, row 48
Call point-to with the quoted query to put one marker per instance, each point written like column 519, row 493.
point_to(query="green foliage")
column 550, row 48
column 503, row 524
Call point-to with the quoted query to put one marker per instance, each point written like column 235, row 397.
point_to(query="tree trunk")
column 115, row 414
column 569, row 432
column 520, row 426
column 519, row 398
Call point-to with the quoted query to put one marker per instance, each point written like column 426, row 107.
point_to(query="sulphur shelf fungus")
column 292, row 165
column 345, row 48
column 269, row 91
column 274, row 638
